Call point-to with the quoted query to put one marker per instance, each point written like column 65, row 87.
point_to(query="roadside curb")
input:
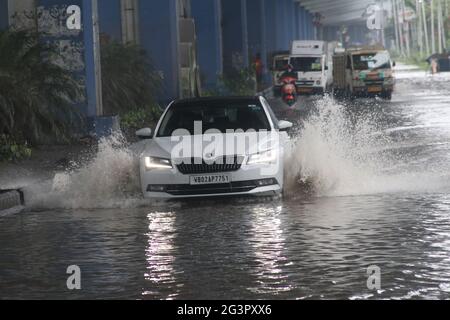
column 11, row 200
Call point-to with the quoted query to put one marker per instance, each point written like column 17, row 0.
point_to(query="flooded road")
column 380, row 196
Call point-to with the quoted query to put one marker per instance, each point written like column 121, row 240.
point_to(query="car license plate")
column 304, row 90
column 210, row 179
column 374, row 89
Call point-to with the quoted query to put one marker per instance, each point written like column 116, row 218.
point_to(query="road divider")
column 11, row 200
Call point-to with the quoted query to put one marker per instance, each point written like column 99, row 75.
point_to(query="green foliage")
column 415, row 59
column 130, row 83
column 10, row 150
column 237, row 83
column 138, row 119
column 36, row 94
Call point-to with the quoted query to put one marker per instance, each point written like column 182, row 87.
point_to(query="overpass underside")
column 192, row 42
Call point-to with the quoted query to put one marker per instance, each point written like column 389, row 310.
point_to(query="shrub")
column 10, row 150
column 36, row 95
column 130, row 83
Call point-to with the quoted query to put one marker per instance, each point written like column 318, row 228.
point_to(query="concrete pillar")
column 304, row 23
column 235, row 35
column 4, row 23
column 281, row 26
column 269, row 40
column 207, row 15
column 255, row 28
column 110, row 20
column 92, row 58
column 159, row 36
column 85, row 64
column 296, row 21
column 130, row 21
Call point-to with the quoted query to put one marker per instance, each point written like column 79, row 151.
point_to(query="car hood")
column 214, row 144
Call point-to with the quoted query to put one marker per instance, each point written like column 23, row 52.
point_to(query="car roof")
column 216, row 100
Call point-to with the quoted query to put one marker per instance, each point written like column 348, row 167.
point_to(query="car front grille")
column 225, row 164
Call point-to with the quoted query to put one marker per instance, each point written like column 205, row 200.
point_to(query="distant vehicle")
column 363, row 72
column 442, row 60
column 289, row 89
column 215, row 172
column 310, row 60
column 280, row 63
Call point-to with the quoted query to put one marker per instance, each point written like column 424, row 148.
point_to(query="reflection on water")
column 268, row 244
column 160, row 253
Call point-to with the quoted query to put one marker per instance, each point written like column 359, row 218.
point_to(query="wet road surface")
column 379, row 175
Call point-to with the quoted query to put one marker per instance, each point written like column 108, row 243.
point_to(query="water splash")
column 109, row 179
column 339, row 152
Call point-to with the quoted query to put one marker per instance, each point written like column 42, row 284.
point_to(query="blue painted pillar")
column 269, row 39
column 296, row 22
column 4, row 14
column 255, row 27
column 281, row 26
column 79, row 46
column 311, row 25
column 305, row 24
column 290, row 18
column 110, row 19
column 92, row 58
column 235, row 35
column 207, row 16
column 270, row 26
column 159, row 36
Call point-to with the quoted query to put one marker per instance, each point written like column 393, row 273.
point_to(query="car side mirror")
column 394, row 64
column 145, row 133
column 326, row 68
column 285, row 125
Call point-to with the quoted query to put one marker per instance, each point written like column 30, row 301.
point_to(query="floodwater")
column 378, row 195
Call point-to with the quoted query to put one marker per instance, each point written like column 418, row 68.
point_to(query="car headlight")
column 266, row 157
column 157, row 163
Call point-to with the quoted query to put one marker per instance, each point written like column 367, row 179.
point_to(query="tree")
column 37, row 96
column 129, row 80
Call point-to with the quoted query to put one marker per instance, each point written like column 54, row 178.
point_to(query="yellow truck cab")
column 363, row 72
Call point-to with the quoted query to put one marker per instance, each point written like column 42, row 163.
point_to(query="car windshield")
column 306, row 64
column 219, row 116
column 372, row 61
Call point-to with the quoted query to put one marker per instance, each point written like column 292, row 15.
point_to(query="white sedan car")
column 214, row 147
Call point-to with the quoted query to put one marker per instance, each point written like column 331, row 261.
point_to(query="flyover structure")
column 191, row 42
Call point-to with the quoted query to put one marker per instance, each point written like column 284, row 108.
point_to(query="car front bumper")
column 249, row 180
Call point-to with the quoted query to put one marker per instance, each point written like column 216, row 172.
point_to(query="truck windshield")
column 372, row 61
column 306, row 64
column 281, row 64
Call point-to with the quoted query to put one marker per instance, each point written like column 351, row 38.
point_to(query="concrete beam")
column 357, row 6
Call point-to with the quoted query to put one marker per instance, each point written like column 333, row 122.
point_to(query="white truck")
column 310, row 60
column 280, row 63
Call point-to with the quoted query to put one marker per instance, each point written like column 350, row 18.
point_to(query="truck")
column 280, row 63
column 364, row 71
column 310, row 60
